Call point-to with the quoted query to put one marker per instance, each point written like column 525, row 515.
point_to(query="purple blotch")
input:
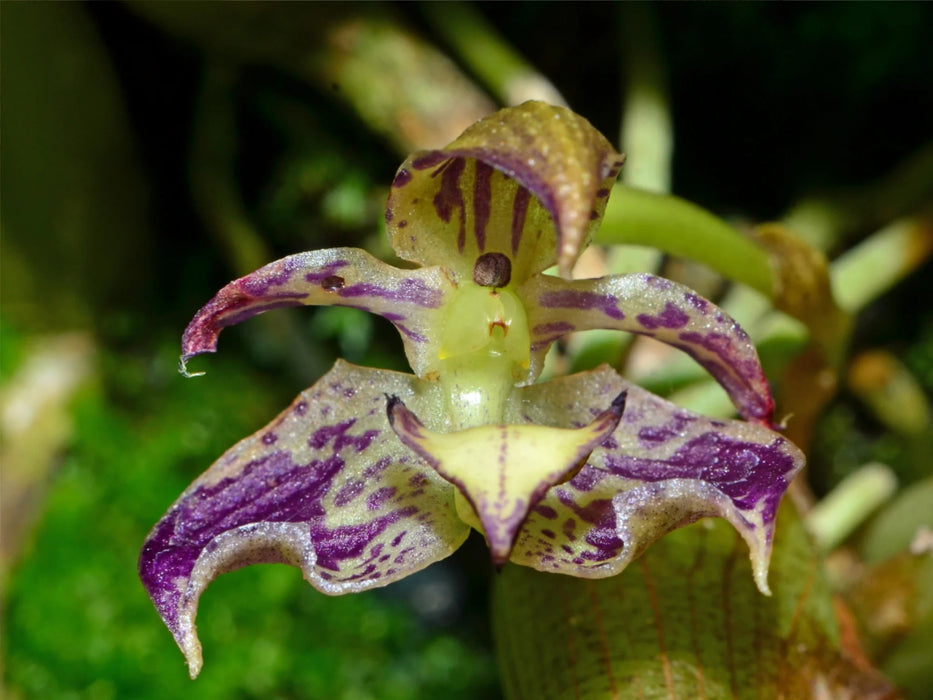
column 428, row 160
column 554, row 329
column 327, row 271
column 350, row 541
column 519, row 211
column 275, row 274
column 400, row 557
column 348, row 493
column 338, row 433
column 746, row 472
column 568, row 529
column 418, row 481
column 586, row 479
column 671, row 317
column 245, row 309
column 574, row 299
column 697, row 302
column 375, row 469
column 402, row 178
column 605, row 541
column 482, row 200
column 413, row 291
column 378, row 498
column 655, row 435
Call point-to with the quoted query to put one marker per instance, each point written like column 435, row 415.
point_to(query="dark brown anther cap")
column 492, row 270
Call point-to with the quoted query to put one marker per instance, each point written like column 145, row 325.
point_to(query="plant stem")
column 488, row 55
column 848, row 505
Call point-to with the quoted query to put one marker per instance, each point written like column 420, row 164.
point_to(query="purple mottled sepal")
column 503, row 471
column 326, row 487
column 530, row 182
column 661, row 309
column 410, row 299
column 662, row 468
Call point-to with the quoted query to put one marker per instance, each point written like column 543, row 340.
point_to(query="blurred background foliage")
column 153, row 151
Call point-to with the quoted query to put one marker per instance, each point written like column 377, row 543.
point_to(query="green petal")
column 410, row 299
column 504, row 470
column 686, row 622
column 530, row 182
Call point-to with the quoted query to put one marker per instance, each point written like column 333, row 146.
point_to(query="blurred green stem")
column 682, row 228
column 856, row 497
column 488, row 55
column 215, row 191
column 647, row 135
column 866, row 271
column 825, row 222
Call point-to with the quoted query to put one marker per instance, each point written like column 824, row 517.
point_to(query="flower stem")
column 848, row 505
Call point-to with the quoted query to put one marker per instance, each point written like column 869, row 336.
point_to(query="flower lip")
column 503, row 471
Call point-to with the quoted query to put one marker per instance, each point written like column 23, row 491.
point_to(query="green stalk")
column 880, row 261
column 856, row 497
column 647, row 133
column 488, row 55
column 681, row 228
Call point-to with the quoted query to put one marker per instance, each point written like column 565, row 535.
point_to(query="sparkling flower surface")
column 371, row 475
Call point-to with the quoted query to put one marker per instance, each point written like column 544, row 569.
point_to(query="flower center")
column 485, row 346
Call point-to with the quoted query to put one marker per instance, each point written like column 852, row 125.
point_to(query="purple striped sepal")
column 530, row 182
column 663, row 467
column 326, row 487
column 349, row 485
column 412, row 300
column 372, row 475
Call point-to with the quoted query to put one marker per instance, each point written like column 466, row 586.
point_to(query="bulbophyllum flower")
column 371, row 475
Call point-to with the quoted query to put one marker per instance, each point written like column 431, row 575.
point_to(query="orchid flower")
column 371, row 475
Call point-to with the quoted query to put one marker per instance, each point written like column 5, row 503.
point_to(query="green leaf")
column 684, row 621
column 74, row 199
